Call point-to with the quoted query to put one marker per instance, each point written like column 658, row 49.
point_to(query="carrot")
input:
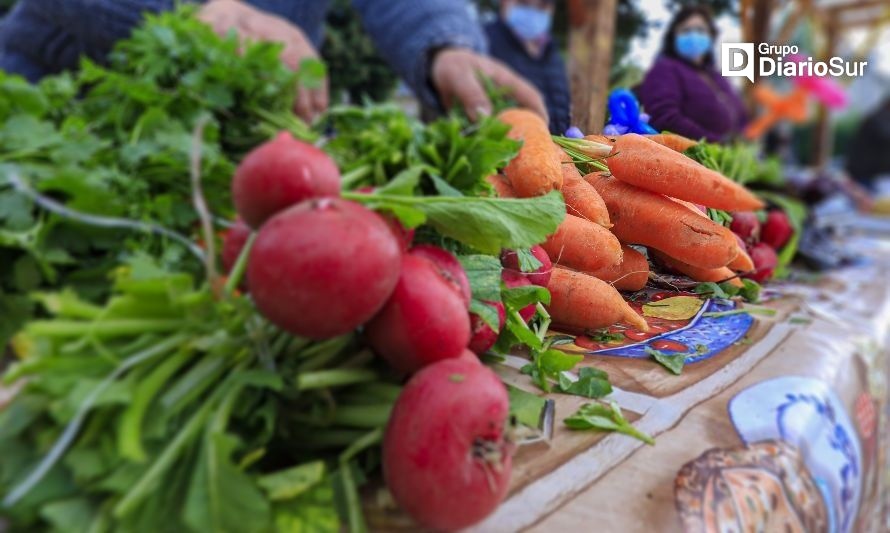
column 651, row 166
column 581, row 198
column 699, row 274
column 643, row 217
column 582, row 245
column 631, row 274
column 502, row 187
column 536, row 168
column 602, row 139
column 742, row 261
column 675, row 142
column 581, row 302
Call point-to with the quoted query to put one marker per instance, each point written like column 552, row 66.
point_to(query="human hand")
column 251, row 23
column 456, row 74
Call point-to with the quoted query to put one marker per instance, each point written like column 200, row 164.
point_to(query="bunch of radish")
column 322, row 266
column 763, row 234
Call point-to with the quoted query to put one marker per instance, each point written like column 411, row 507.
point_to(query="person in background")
column 434, row 45
column 520, row 37
column 869, row 156
column 683, row 93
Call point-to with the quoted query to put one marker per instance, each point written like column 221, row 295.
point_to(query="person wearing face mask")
column 683, row 92
column 520, row 37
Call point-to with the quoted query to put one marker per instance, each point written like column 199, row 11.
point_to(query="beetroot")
column 746, row 225
column 449, row 267
column 280, row 173
column 446, row 459
column 765, row 261
column 513, row 279
column 541, row 276
column 482, row 336
column 233, row 242
column 777, row 229
column 323, row 267
column 424, row 320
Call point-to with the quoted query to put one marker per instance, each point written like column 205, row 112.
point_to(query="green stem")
column 354, row 515
column 744, row 310
column 240, row 266
column 70, row 432
column 352, row 178
column 362, row 416
column 106, row 328
column 334, row 378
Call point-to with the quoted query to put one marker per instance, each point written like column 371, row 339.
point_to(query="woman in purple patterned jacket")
column 683, row 92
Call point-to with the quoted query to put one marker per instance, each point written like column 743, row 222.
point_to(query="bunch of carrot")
column 652, row 196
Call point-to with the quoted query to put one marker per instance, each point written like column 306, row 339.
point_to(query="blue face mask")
column 528, row 22
column 692, row 45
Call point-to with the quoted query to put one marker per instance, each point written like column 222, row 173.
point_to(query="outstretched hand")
column 251, row 23
column 456, row 75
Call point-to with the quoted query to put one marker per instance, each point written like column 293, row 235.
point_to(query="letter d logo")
column 737, row 59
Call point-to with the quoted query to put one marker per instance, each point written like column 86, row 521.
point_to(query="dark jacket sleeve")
column 406, row 30
column 97, row 24
column 661, row 95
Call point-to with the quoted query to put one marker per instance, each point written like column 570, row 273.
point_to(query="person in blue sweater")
column 434, row 45
column 520, row 37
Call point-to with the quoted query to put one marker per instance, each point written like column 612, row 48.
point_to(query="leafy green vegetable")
column 591, row 383
column 750, row 292
column 548, row 365
column 525, row 407
column 602, row 417
column 674, row 362
column 605, row 336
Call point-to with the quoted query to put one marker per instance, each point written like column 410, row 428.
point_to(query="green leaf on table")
column 591, row 383
column 525, row 406
column 673, row 362
column 601, row 417
column 751, row 291
column 605, row 336
column 713, row 290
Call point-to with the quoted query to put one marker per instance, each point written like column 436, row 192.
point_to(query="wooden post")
column 591, row 33
column 823, row 136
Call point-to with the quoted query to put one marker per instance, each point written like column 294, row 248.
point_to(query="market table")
column 787, row 427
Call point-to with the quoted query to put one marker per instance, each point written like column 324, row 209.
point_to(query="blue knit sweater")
column 41, row 37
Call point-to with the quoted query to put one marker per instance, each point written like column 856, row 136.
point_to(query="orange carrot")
column 536, row 168
column 631, row 274
column 675, row 142
column 582, row 245
column 581, row 302
column 742, row 261
column 651, row 166
column 643, row 217
column 602, row 139
column 581, row 198
column 699, row 274
column 502, row 187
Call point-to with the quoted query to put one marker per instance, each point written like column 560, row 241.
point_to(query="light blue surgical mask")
column 528, row 22
column 692, row 45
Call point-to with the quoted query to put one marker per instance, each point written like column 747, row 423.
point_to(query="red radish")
column 404, row 235
column 541, row 276
column 424, row 320
column 449, row 267
column 323, row 267
column 233, row 242
column 746, row 225
column 483, row 337
column 446, row 456
column 765, row 261
column 512, row 280
column 777, row 229
column 280, row 173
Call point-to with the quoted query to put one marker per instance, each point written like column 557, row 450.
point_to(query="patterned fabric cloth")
column 41, row 37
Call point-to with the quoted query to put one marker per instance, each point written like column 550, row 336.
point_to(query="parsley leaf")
column 598, row 416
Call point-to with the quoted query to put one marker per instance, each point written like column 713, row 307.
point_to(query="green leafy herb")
column 602, row 417
column 548, row 365
column 605, row 336
column 591, row 383
column 525, row 407
column 672, row 361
